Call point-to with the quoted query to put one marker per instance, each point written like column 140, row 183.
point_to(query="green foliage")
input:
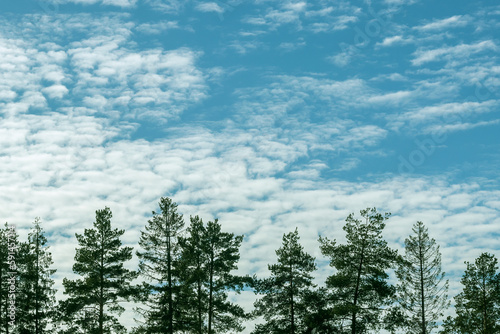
column 359, row 286
column 36, row 297
column 94, row 298
column 159, row 265
column 285, row 293
column 9, row 277
column 208, row 258
column 422, row 290
column 478, row 305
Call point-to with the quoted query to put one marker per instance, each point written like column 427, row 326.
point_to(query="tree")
column 95, row 297
column 158, row 263
column 222, row 250
column 194, row 276
column 208, row 258
column 36, row 295
column 9, row 278
column 422, row 291
column 285, row 292
column 359, row 285
column 478, row 305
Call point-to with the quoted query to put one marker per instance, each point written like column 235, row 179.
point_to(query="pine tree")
column 158, row 263
column 9, row 278
column 422, row 291
column 222, row 250
column 193, row 277
column 478, row 305
column 208, row 258
column 284, row 293
column 36, row 295
column 359, row 285
column 94, row 298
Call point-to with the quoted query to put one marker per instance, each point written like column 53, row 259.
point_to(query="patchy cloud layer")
column 268, row 115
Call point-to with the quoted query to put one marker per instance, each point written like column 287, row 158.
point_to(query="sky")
column 268, row 115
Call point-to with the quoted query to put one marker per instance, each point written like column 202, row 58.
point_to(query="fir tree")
column 283, row 305
column 359, row 286
column 94, row 298
column 422, row 290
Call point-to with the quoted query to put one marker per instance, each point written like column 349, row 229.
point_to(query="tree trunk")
column 422, row 295
column 356, row 291
column 101, row 292
column 169, row 275
column 292, row 310
column 210, row 296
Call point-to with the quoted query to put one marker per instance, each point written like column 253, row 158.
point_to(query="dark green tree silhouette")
column 359, row 286
column 36, row 295
column 159, row 265
column 478, row 305
column 283, row 305
column 422, row 290
column 193, row 277
column 209, row 256
column 10, row 256
column 94, row 298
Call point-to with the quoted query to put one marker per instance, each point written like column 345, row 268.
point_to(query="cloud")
column 107, row 68
column 118, row 3
column 392, row 98
column 394, row 40
column 459, row 127
column 448, row 53
column 314, row 17
column 450, row 22
column 447, row 117
column 55, row 91
column 157, row 28
column 209, row 7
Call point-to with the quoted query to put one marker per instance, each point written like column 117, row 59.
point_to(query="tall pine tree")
column 359, row 286
column 209, row 256
column 158, row 264
column 36, row 292
column 193, row 277
column 94, row 298
column 284, row 293
column 478, row 305
column 422, row 290
column 10, row 256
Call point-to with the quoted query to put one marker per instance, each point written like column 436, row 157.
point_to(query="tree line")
column 188, row 273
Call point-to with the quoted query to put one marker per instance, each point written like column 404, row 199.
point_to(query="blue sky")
column 265, row 114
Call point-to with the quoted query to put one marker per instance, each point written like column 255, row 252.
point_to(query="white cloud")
column 446, row 117
column 209, row 7
column 394, row 40
column 315, row 17
column 452, row 52
column 455, row 108
column 119, row 3
column 295, row 6
column 450, row 22
column 157, row 28
column 392, row 98
column 150, row 83
column 444, row 128
column 55, row 91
